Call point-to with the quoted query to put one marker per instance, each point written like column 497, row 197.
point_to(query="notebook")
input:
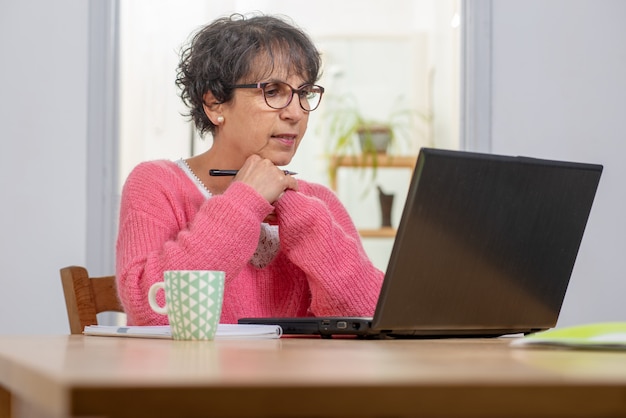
column 486, row 246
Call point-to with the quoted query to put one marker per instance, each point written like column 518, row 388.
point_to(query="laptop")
column 485, row 247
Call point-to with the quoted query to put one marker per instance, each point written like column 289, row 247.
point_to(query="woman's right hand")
column 267, row 179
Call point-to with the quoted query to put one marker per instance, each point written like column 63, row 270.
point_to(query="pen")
column 216, row 172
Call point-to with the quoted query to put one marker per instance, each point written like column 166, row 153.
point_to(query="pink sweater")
column 166, row 223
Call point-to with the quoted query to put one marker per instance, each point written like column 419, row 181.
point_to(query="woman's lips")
column 286, row 139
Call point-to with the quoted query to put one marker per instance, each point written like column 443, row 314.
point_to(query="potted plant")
column 352, row 135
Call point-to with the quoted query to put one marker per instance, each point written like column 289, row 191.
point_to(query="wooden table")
column 61, row 376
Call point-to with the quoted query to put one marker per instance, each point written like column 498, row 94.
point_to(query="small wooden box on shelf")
column 382, row 161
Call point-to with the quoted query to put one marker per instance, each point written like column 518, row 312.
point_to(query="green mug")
column 193, row 302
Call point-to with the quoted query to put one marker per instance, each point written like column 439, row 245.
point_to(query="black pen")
column 215, row 172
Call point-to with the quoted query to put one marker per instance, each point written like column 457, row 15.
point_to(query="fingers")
column 292, row 183
column 267, row 179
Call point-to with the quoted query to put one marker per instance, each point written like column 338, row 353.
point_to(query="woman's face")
column 252, row 127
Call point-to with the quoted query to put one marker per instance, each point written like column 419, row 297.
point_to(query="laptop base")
column 360, row 327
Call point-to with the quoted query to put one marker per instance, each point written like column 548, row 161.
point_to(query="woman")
column 288, row 247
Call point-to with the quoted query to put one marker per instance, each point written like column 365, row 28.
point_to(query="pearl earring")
column 220, row 119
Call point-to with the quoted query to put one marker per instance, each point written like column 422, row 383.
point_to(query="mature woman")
column 288, row 247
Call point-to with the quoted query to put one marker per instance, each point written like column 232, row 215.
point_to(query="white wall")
column 43, row 125
column 559, row 91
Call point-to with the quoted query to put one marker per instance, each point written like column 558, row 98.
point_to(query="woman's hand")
column 264, row 177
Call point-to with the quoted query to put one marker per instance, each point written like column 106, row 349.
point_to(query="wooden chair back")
column 85, row 297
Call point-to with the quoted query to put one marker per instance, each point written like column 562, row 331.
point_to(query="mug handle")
column 152, row 298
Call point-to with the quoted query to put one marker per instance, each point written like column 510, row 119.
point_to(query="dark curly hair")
column 224, row 52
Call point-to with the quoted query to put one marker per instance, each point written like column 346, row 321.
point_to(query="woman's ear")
column 212, row 108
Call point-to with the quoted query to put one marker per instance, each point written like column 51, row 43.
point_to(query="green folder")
column 605, row 335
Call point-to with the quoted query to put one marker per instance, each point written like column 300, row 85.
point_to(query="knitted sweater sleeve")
column 166, row 224
column 318, row 236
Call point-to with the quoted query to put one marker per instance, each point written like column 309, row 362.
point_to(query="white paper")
column 224, row 331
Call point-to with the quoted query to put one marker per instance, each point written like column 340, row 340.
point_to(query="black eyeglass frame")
column 293, row 91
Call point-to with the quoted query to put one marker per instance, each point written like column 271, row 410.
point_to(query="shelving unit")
column 382, row 161
column 356, row 161
column 384, row 232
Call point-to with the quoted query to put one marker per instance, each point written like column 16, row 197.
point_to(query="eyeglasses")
column 278, row 95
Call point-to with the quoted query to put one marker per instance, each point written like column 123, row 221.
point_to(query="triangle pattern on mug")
column 194, row 301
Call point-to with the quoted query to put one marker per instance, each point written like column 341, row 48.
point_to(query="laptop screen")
column 485, row 242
